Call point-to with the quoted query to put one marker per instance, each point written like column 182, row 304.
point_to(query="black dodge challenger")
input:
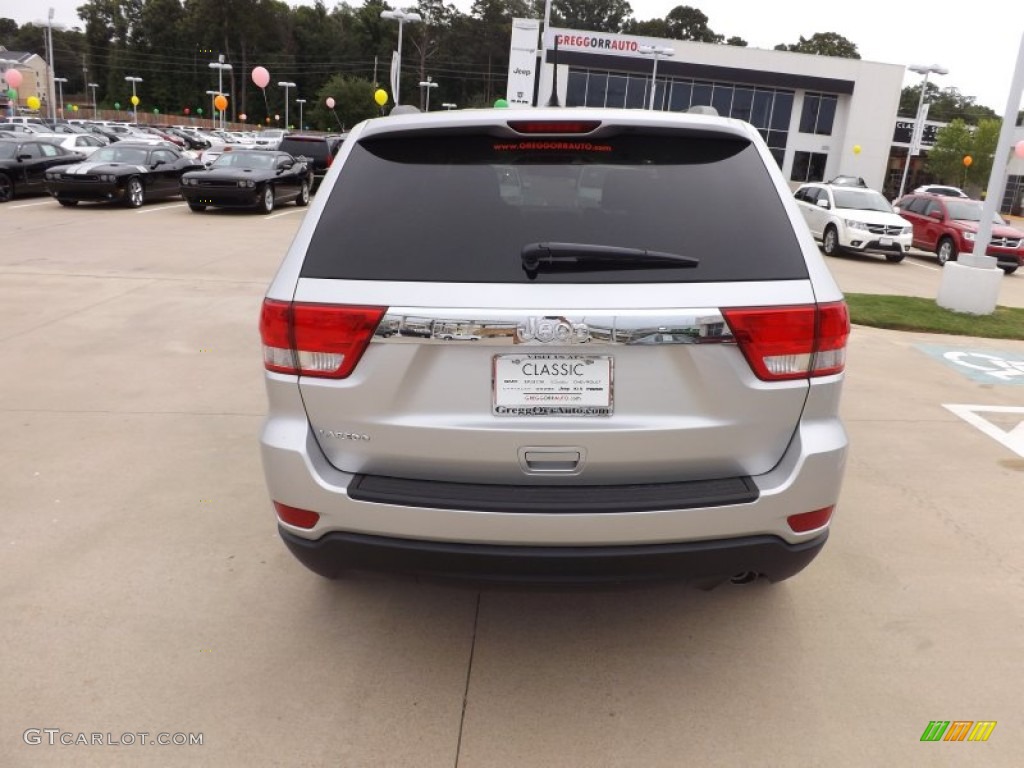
column 128, row 172
column 248, row 178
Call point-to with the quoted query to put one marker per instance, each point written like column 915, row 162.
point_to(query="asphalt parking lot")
column 145, row 589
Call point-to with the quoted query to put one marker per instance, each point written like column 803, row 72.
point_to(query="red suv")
column 948, row 225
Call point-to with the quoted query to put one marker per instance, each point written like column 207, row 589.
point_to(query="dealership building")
column 821, row 116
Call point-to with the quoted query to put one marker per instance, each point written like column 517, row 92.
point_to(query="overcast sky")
column 976, row 41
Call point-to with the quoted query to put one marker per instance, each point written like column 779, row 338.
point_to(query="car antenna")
column 553, row 98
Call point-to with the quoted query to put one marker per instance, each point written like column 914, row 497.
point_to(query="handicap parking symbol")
column 987, row 366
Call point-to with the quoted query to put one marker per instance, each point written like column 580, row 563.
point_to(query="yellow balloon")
column 135, row 101
column 380, row 96
column 856, row 149
column 33, row 102
column 220, row 102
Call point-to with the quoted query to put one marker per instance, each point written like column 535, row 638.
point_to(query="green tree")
column 595, row 15
column 952, row 144
column 983, row 151
column 945, row 104
column 686, row 23
column 823, row 44
column 739, row 42
column 109, row 26
column 353, row 97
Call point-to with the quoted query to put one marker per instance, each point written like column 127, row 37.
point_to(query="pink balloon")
column 1019, row 149
column 13, row 77
column 330, row 102
column 261, row 77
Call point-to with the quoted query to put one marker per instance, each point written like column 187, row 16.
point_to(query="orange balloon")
column 968, row 160
column 220, row 102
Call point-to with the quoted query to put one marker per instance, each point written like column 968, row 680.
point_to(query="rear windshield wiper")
column 569, row 257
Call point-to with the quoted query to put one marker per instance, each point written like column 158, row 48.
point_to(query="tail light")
column 323, row 340
column 300, row 518
column 782, row 343
column 554, row 126
column 808, row 521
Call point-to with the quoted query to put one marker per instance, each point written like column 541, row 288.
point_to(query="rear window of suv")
column 314, row 147
column 462, row 208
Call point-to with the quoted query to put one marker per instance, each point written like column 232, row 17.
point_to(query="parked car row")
column 940, row 219
column 134, row 172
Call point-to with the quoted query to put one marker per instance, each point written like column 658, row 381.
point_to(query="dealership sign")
column 596, row 42
column 522, row 62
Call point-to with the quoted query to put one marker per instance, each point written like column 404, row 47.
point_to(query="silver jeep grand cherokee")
column 554, row 345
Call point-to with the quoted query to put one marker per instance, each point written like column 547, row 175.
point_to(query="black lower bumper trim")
column 553, row 499
column 705, row 562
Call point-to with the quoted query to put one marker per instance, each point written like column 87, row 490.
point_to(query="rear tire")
column 830, row 241
column 6, row 188
column 1009, row 270
column 945, row 250
column 135, row 193
column 303, row 198
column 67, row 202
column 266, row 203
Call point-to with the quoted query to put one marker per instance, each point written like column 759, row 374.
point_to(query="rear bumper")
column 706, row 563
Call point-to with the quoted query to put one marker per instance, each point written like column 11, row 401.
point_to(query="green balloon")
column 117, row 105
column 200, row 110
column 156, row 111
column 11, row 93
column 501, row 104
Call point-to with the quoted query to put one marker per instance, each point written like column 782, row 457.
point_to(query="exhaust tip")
column 744, row 577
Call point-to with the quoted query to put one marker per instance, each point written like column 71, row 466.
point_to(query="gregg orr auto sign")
column 594, row 42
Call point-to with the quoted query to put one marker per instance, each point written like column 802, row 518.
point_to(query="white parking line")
column 923, row 266
column 30, row 205
column 284, row 213
column 163, row 208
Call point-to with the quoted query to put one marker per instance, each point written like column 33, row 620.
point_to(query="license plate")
column 552, row 385
column 885, row 241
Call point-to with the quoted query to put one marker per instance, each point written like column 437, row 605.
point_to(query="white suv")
column 854, row 219
column 569, row 372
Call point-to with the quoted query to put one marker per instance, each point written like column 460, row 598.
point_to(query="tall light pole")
column 135, row 100
column 655, row 51
column 49, row 68
column 286, row 87
column 213, row 108
column 300, row 102
column 60, row 85
column 918, row 132
column 220, row 66
column 427, row 85
column 402, row 17
column 93, row 87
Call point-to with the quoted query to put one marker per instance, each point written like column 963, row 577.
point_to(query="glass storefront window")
column 636, row 96
column 576, row 90
column 701, row 94
column 596, row 89
column 616, row 91
column 742, row 102
column 679, row 100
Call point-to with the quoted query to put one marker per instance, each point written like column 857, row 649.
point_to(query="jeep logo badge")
column 545, row 330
